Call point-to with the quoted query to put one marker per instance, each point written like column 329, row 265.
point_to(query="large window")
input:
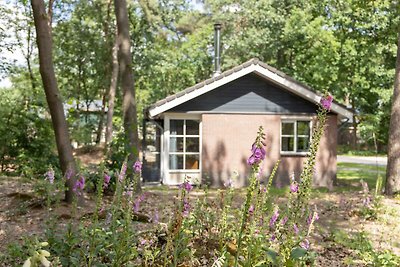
column 295, row 136
column 184, row 145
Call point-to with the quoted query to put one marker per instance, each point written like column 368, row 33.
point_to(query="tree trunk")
column 354, row 133
column 111, row 93
column 100, row 126
column 393, row 167
column 127, row 82
column 53, row 97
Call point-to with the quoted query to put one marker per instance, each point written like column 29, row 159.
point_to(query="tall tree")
column 53, row 96
column 393, row 167
column 127, row 83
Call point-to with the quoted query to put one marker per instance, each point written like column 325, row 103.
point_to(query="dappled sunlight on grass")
column 350, row 174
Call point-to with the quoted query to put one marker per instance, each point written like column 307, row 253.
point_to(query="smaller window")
column 295, row 136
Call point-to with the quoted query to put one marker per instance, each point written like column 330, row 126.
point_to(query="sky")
column 15, row 55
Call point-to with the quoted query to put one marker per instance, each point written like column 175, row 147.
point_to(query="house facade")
column 204, row 133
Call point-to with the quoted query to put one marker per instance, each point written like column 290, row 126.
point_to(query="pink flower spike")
column 294, row 187
column 296, row 229
column 326, row 102
column 251, row 209
column 305, row 244
column 186, row 186
column 137, row 167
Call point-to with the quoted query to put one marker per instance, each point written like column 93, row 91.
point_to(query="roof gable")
column 252, row 66
column 248, row 94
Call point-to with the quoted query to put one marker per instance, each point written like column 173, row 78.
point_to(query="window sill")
column 295, row 154
column 189, row 171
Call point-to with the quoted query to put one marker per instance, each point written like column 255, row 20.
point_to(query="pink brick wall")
column 226, row 143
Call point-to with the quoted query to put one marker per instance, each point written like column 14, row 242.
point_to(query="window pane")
column 303, row 144
column 287, row 128
column 192, row 127
column 303, row 128
column 192, row 144
column 176, row 162
column 176, row 127
column 287, row 143
column 192, row 162
column 176, row 144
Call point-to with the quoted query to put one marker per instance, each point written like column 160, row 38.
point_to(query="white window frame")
column 294, row 120
column 166, row 146
column 184, row 152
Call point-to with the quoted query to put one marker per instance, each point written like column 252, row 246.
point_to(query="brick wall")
column 226, row 143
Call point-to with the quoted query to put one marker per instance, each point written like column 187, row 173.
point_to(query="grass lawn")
column 350, row 174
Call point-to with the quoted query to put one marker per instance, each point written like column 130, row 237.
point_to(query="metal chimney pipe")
column 217, row 49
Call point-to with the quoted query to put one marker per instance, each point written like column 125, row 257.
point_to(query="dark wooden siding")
column 249, row 93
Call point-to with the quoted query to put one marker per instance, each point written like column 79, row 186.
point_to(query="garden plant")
column 199, row 232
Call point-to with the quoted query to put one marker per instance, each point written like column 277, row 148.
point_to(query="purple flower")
column 251, row 160
column 295, row 229
column 305, row 244
column 284, row 220
column 251, row 209
column 294, row 187
column 79, row 185
column 50, row 175
column 273, row 237
column 137, row 167
column 107, row 179
column 136, row 203
column 186, row 207
column 326, row 102
column 316, row 216
column 258, row 154
column 186, row 186
column 263, row 189
column 274, row 218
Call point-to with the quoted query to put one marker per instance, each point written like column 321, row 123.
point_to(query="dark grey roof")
column 253, row 61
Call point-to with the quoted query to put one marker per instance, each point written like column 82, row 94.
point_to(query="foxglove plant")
column 285, row 236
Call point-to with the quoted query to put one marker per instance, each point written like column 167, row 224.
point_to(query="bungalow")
column 205, row 132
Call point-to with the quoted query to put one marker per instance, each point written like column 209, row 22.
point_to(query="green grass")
column 350, row 174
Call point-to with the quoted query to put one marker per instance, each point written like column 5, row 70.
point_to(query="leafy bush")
column 26, row 136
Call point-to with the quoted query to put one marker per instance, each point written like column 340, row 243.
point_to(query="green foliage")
column 372, row 203
column 360, row 244
column 26, row 134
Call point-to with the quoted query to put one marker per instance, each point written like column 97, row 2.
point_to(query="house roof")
column 252, row 66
